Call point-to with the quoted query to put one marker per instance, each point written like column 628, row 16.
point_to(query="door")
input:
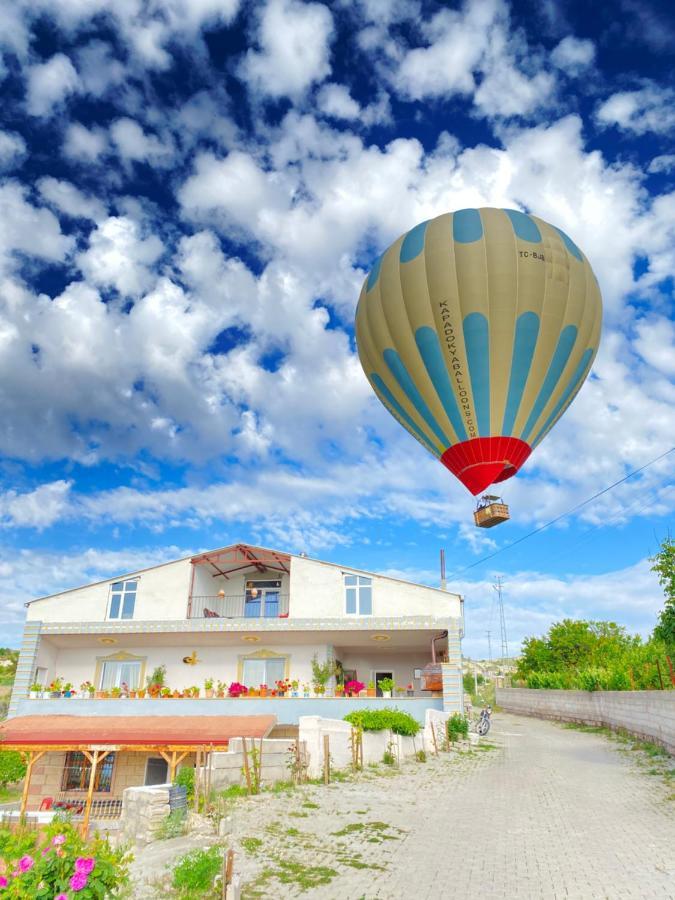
column 156, row 771
column 378, row 677
column 262, row 599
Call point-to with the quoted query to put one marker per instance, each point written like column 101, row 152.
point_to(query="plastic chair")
column 46, row 803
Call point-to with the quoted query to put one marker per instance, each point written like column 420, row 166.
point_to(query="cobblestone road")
column 550, row 813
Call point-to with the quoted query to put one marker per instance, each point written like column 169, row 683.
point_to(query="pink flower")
column 26, row 863
column 78, row 881
column 3, row 881
column 85, row 864
column 59, row 839
column 61, row 897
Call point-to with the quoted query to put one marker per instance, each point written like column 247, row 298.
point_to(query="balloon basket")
column 490, row 511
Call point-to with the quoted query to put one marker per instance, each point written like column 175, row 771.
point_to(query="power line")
column 562, row 516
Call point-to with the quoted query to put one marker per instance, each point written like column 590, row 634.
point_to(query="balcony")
column 264, row 606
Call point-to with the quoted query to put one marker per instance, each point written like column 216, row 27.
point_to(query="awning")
column 121, row 731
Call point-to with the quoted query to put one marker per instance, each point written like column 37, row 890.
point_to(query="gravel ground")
column 538, row 812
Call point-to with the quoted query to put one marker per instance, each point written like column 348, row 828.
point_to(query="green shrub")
column 457, row 726
column 394, row 720
column 12, row 767
column 174, row 825
column 194, row 874
column 186, row 778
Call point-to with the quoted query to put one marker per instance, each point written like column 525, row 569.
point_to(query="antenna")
column 489, row 647
column 444, row 583
column 502, row 620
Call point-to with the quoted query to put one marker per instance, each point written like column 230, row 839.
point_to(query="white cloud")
column 664, row 163
column 294, row 39
column 135, row 145
column 119, row 256
column 656, row 343
column 85, row 144
column 35, row 509
column 31, row 230
column 50, row 83
column 573, row 55
column 68, row 199
column 334, row 100
column 650, row 109
column 12, row 149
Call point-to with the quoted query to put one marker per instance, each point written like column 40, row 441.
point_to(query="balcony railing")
column 265, row 606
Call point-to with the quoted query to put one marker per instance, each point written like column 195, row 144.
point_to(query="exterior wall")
column 317, row 590
column 162, row 594
column 79, row 664
column 128, row 771
column 286, row 709
column 401, row 663
column 648, row 714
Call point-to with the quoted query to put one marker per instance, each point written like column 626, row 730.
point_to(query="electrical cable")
column 561, row 516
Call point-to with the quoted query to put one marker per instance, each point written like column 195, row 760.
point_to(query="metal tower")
column 502, row 619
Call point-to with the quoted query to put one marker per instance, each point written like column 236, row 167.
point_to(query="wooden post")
column 672, row 671
column 632, row 679
column 247, row 771
column 197, row 776
column 31, row 758
column 433, row 738
column 326, row 759
column 94, row 759
column 658, row 669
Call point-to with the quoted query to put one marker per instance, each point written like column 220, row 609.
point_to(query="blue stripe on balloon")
column 566, row 342
column 524, row 227
column 413, row 243
column 477, row 341
column 467, row 226
column 527, row 331
column 578, row 376
column 430, row 351
column 571, row 246
column 389, row 399
column 374, row 273
column 405, row 382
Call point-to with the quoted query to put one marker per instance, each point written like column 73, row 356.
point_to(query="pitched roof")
column 116, row 731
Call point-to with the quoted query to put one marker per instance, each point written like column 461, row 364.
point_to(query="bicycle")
column 481, row 725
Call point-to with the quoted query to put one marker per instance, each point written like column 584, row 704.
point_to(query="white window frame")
column 118, row 679
column 122, row 594
column 362, row 581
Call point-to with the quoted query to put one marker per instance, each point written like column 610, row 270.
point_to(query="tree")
column 663, row 564
column 574, row 644
column 12, row 767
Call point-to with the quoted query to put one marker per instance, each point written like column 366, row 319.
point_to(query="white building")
column 240, row 614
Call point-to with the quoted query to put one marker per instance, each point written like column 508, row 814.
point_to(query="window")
column 358, row 595
column 115, row 673
column 122, row 600
column 263, row 671
column 77, row 769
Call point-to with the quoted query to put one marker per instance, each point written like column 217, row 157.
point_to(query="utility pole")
column 489, row 647
column 502, row 620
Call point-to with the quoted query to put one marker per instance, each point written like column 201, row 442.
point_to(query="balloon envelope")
column 476, row 330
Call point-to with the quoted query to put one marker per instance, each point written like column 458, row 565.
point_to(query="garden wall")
column 649, row 715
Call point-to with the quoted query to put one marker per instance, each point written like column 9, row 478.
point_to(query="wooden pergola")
column 171, row 737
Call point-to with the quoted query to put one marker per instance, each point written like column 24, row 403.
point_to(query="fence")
column 650, row 715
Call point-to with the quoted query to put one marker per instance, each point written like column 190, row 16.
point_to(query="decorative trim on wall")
column 263, row 654
column 120, row 656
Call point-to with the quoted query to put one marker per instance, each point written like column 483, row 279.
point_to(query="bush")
column 59, row 863
column 194, row 874
column 12, row 767
column 457, row 726
column 174, row 825
column 186, row 778
column 394, row 720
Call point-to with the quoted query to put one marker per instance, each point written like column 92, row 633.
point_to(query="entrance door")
column 262, row 599
column 156, row 771
column 378, row 677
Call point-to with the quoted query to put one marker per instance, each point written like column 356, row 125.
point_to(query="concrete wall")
column 287, row 710
column 143, row 810
column 649, row 715
column 227, row 767
column 318, row 590
column 162, row 593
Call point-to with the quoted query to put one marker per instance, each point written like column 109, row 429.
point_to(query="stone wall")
column 649, row 715
column 143, row 809
column 227, row 767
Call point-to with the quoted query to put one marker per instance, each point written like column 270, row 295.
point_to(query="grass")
column 309, row 805
column 9, row 794
column 251, row 844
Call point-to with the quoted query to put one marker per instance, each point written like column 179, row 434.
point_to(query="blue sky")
column 191, row 194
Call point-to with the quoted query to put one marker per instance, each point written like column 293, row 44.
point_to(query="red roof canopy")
column 243, row 556
column 130, row 730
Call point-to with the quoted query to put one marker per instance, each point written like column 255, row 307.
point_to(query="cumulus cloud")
column 573, row 55
column 134, row 145
column 50, row 83
column 12, row 149
column 119, row 256
column 294, row 39
column 649, row 109
column 82, row 143
column 69, row 200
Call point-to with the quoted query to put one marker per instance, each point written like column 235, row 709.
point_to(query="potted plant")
column 156, row 681
column 105, row 695
column 339, row 690
column 208, row 688
column 282, row 687
column 165, row 692
column 236, row 689
column 295, row 688
column 251, row 692
column 56, row 687
column 68, row 689
column 371, row 692
column 124, row 689
column 87, row 690
column 221, row 690
column 305, row 690
column 115, row 693
column 141, row 693
column 353, row 688
column 35, row 690
column 386, row 685
column 322, row 673
column 263, row 690
column 410, row 690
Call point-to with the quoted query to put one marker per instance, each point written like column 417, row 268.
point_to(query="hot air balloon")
column 476, row 330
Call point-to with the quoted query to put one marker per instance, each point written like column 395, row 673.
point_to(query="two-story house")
column 240, row 614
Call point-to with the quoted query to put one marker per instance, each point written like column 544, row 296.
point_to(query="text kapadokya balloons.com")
column 476, row 330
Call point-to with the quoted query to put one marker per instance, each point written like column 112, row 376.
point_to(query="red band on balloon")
column 480, row 462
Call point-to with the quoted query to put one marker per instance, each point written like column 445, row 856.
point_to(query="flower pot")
column 54, row 694
column 209, row 693
column 67, row 693
column 132, row 695
column 306, row 694
column 371, row 692
column 34, row 694
column 386, row 694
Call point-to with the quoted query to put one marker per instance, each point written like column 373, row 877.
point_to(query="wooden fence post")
column 672, row 671
column 326, row 759
column 658, row 669
column 247, row 771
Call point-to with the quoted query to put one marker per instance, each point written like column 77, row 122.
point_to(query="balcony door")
column 262, row 599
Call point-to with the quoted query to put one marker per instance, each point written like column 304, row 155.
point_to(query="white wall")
column 208, row 585
column 401, row 663
column 317, row 590
column 78, row 664
column 162, row 593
